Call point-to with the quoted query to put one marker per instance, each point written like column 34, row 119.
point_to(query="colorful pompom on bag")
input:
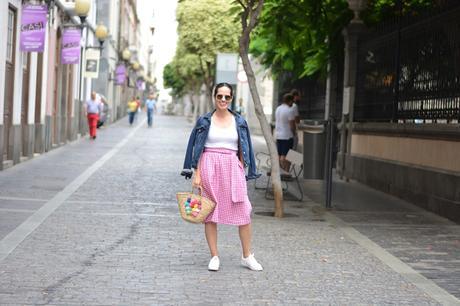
column 194, row 207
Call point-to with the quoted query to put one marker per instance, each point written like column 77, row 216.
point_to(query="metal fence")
column 411, row 73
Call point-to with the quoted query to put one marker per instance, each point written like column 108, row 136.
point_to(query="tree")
column 205, row 28
column 379, row 10
column 299, row 36
column 172, row 79
column 302, row 36
column 249, row 17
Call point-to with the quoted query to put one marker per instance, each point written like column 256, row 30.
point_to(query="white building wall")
column 3, row 29
column 18, row 68
column 32, row 88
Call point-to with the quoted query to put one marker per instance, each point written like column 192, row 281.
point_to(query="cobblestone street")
column 96, row 223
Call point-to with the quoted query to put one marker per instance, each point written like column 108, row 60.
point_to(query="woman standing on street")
column 218, row 149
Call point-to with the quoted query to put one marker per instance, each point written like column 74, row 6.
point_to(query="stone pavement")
column 96, row 223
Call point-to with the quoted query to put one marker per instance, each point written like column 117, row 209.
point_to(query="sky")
column 162, row 14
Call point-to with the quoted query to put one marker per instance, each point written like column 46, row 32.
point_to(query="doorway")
column 25, row 102
column 9, row 79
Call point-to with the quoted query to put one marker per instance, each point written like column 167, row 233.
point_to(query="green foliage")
column 301, row 36
column 172, row 79
column 378, row 10
column 205, row 28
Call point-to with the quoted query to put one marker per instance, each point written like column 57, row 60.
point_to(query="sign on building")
column 227, row 68
column 33, row 25
column 120, row 75
column 70, row 46
column 92, row 63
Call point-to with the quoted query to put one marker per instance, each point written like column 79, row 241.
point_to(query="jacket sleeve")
column 252, row 172
column 187, row 170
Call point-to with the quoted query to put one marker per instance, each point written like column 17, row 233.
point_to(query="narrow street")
column 96, row 223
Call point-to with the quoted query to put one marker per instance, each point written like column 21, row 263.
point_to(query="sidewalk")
column 426, row 242
column 96, row 223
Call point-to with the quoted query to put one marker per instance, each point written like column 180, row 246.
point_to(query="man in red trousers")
column 93, row 107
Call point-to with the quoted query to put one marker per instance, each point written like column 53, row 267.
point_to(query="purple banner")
column 140, row 85
column 120, row 75
column 70, row 53
column 33, row 25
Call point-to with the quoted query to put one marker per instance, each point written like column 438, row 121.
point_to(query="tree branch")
column 244, row 18
column 255, row 14
column 241, row 3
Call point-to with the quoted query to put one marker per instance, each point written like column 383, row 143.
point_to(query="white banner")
column 227, row 68
column 92, row 63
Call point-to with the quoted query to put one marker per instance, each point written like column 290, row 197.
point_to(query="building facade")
column 41, row 99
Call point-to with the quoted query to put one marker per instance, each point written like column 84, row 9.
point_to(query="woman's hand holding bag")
column 194, row 207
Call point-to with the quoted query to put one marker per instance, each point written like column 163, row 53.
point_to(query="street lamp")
column 126, row 54
column 101, row 34
column 357, row 6
column 82, row 8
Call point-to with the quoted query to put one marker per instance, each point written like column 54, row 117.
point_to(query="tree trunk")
column 209, row 101
column 266, row 130
column 196, row 105
column 208, row 82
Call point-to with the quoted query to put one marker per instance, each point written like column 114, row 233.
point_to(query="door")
column 25, row 100
column 69, row 102
column 54, row 113
column 9, row 78
column 39, row 129
column 63, row 100
column 38, row 98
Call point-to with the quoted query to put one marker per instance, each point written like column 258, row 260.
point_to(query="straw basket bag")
column 193, row 207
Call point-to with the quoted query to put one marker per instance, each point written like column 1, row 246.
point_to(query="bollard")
column 329, row 157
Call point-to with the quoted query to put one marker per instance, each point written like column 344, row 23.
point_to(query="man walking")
column 93, row 107
column 284, row 129
column 150, row 106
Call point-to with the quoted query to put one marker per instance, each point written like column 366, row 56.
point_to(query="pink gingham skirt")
column 223, row 181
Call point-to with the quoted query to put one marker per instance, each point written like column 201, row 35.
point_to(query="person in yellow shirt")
column 132, row 110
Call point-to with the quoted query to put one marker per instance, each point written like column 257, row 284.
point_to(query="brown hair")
column 295, row 92
column 288, row 98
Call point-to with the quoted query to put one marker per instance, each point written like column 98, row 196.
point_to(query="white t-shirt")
column 295, row 109
column 224, row 138
column 283, row 115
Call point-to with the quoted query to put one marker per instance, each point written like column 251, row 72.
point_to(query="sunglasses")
column 224, row 98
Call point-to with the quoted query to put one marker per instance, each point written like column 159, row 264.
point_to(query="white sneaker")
column 251, row 263
column 214, row 264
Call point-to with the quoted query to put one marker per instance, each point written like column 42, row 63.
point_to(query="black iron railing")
column 412, row 72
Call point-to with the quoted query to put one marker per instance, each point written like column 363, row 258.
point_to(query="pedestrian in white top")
column 150, row 106
column 284, row 129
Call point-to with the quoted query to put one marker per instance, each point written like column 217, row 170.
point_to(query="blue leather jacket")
column 198, row 138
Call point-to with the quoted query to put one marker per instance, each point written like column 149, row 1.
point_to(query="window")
column 10, row 36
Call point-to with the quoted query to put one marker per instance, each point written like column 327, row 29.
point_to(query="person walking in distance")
column 150, row 107
column 219, row 149
column 132, row 110
column 284, row 129
column 93, row 107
